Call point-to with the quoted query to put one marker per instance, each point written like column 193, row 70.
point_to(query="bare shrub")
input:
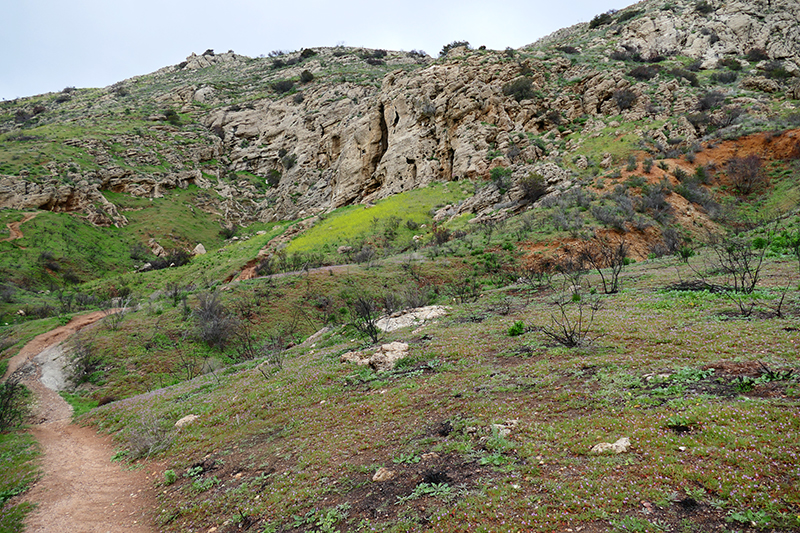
column 364, row 315
column 571, row 324
column 86, row 364
column 149, row 436
column 13, row 402
column 214, row 324
column 624, row 98
column 608, row 258
column 745, row 173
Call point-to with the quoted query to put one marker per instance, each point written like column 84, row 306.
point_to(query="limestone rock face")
column 19, row 193
column 340, row 140
column 732, row 28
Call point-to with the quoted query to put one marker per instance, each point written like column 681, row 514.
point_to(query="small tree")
column 608, row 258
column 571, row 324
column 364, row 315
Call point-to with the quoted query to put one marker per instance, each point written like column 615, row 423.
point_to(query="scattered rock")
column 199, row 249
column 383, row 474
column 760, row 83
column 414, row 317
column 156, row 248
column 621, row 446
column 382, row 360
column 186, row 420
column 504, row 430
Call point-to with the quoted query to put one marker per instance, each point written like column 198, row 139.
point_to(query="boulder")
column 383, row 474
column 760, row 83
column 620, row 446
column 382, row 360
column 186, row 420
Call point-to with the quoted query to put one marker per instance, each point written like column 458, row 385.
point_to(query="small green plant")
column 435, row 490
column 759, row 519
column 202, row 485
column 322, row 520
column 170, row 477
column 407, row 458
column 637, row 525
column 744, row 384
column 518, row 328
column 681, row 423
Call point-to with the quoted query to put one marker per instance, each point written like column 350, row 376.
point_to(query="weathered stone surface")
column 620, row 446
column 731, row 29
column 382, row 360
column 760, row 83
column 186, row 420
column 411, row 318
column 383, row 474
column 199, row 249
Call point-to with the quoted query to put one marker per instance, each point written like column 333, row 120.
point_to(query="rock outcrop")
column 275, row 148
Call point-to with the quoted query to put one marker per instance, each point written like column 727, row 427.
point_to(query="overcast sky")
column 51, row 44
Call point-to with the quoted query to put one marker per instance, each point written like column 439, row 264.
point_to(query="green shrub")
column 172, row 117
column 306, row 76
column 629, row 14
column 170, row 477
column 703, row 7
column 600, row 20
column 520, row 89
column 517, row 329
column 534, row 186
column 283, row 86
column 455, row 44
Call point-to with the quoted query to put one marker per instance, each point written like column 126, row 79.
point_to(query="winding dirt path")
column 81, row 490
column 13, row 227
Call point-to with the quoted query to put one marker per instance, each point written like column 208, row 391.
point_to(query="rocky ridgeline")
column 333, row 139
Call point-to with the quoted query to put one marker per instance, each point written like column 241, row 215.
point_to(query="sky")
column 47, row 45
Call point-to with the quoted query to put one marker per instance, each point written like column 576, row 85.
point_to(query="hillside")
column 606, row 223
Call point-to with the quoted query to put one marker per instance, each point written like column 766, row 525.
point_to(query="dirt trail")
column 13, row 227
column 81, row 490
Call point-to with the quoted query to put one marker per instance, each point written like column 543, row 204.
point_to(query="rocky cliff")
column 306, row 132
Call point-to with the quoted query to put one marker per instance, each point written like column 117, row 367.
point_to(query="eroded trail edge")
column 81, row 490
column 14, row 228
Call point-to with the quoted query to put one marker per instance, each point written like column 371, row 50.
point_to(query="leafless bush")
column 364, row 315
column 13, row 402
column 114, row 317
column 149, row 436
column 86, row 364
column 214, row 324
column 608, row 258
column 745, row 173
column 571, row 324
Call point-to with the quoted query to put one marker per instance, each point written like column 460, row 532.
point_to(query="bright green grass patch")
column 171, row 220
column 58, row 248
column 18, row 470
column 80, row 404
column 347, row 224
